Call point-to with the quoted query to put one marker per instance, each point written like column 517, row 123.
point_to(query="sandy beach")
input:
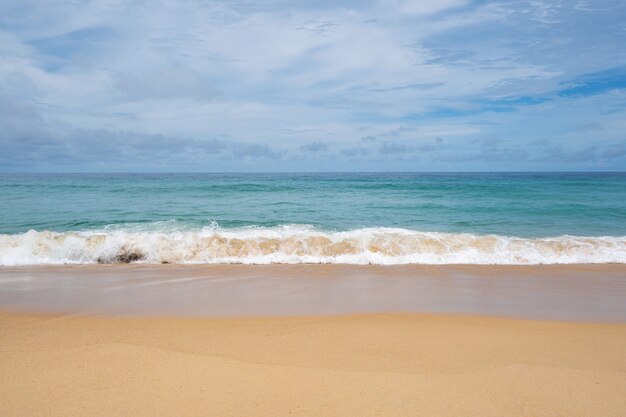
column 313, row 341
column 353, row 365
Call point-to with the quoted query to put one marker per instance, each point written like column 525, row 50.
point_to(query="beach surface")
column 351, row 365
column 313, row 340
column 595, row 292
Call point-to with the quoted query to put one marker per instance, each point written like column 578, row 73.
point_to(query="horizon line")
column 305, row 172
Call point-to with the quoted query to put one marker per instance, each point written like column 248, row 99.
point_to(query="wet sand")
column 285, row 340
column 556, row 292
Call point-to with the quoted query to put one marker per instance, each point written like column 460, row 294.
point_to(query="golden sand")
column 351, row 365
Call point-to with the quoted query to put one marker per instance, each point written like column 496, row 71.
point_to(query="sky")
column 277, row 85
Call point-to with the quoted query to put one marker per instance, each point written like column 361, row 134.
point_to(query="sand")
column 552, row 292
column 348, row 365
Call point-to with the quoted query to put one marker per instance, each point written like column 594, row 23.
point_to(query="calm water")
column 514, row 205
column 530, row 205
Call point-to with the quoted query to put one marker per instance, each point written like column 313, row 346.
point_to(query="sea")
column 349, row 218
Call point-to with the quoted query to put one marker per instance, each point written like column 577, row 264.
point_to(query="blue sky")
column 398, row 85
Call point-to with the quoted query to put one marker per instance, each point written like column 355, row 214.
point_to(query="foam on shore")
column 294, row 244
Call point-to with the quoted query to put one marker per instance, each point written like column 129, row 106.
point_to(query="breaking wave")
column 301, row 244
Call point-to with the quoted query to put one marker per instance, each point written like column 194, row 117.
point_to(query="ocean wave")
column 301, row 244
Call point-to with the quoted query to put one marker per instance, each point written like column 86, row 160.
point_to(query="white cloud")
column 426, row 7
column 287, row 74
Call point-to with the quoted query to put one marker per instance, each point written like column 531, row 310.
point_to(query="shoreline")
column 304, row 244
column 575, row 292
column 349, row 365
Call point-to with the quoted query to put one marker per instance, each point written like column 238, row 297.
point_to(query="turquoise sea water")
column 394, row 216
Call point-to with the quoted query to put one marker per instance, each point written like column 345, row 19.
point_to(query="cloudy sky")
column 277, row 85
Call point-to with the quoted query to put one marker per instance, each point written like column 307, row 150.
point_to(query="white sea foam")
column 301, row 244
